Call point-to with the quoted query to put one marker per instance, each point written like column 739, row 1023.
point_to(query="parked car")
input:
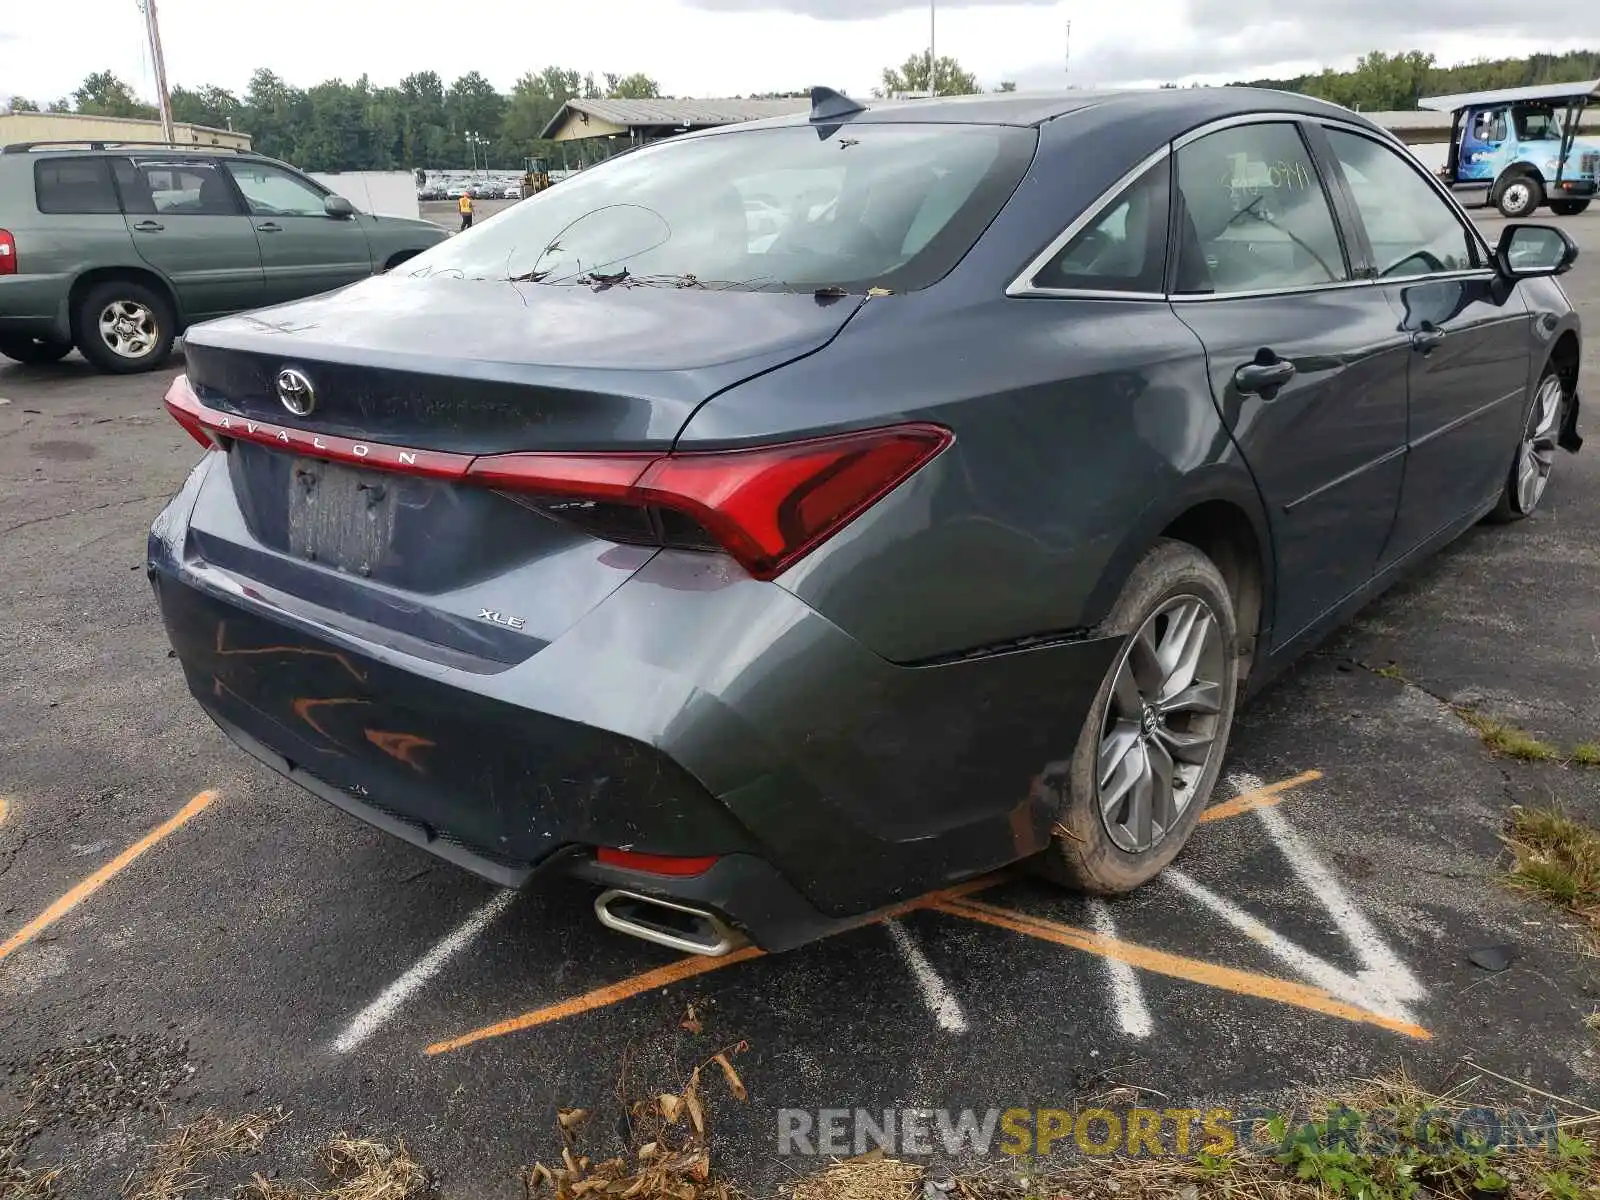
column 764, row 589
column 119, row 250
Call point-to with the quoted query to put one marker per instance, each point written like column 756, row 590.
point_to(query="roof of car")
column 115, row 146
column 1187, row 107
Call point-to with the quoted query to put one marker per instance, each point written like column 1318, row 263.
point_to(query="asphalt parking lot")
column 240, row 945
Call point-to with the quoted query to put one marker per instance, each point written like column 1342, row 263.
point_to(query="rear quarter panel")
column 1081, row 429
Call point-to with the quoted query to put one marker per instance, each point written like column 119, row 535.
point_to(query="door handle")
column 149, row 226
column 270, row 227
column 1427, row 337
column 1265, row 375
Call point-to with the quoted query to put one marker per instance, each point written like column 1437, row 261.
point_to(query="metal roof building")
column 646, row 120
column 80, row 127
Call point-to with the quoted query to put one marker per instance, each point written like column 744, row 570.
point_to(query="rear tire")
column 1155, row 737
column 1535, row 455
column 1568, row 208
column 124, row 327
column 24, row 348
column 1518, row 196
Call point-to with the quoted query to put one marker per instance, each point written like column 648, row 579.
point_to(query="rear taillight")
column 654, row 864
column 767, row 506
column 8, row 253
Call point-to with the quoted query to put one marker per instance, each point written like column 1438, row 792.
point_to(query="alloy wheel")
column 1517, row 196
column 1537, row 452
column 1161, row 723
column 129, row 329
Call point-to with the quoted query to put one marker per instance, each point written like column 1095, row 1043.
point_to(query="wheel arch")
column 1517, row 170
column 1220, row 514
column 142, row 275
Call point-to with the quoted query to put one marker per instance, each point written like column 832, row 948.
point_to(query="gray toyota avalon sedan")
column 768, row 572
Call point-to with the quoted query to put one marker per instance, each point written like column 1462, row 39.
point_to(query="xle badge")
column 500, row 618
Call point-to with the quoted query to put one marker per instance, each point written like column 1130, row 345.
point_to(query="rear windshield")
column 790, row 208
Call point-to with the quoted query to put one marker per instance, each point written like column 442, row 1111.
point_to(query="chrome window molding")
column 1022, row 287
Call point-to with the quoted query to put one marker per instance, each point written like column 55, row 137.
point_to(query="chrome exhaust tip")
column 667, row 923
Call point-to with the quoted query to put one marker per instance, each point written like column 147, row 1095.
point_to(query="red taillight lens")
column 767, row 505
column 187, row 411
column 8, row 253
column 655, row 864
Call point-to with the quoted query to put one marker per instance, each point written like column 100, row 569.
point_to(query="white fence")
column 382, row 193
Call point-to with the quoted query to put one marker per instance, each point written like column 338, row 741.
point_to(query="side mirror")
column 1528, row 251
column 338, row 206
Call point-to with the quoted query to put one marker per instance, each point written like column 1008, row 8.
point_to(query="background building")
column 79, row 127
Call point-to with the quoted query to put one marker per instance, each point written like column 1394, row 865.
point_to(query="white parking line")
column 1132, row 1012
column 1385, row 974
column 945, row 1008
column 372, row 1017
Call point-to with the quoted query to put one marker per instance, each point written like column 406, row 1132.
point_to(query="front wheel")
column 1535, row 454
column 1152, row 746
column 1568, row 208
column 25, row 348
column 1519, row 197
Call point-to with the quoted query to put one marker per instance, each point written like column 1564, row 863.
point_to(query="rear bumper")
column 35, row 305
column 693, row 712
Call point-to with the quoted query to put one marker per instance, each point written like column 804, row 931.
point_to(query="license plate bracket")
column 341, row 516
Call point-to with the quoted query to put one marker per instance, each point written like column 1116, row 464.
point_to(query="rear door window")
column 1255, row 216
column 165, row 187
column 74, row 185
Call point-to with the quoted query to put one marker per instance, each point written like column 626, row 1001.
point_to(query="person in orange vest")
column 464, row 207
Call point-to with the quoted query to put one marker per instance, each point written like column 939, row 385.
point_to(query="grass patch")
column 1507, row 741
column 1586, row 754
column 1557, row 857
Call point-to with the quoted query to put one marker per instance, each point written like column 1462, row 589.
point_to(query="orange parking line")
column 943, row 900
column 1263, row 797
column 5, row 808
column 601, row 997
column 82, row 890
column 1244, row 983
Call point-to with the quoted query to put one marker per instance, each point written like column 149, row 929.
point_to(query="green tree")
column 213, row 106
column 637, row 86
column 104, row 95
column 277, row 116
column 949, row 79
column 21, row 104
column 62, row 105
column 1007, row 85
column 473, row 103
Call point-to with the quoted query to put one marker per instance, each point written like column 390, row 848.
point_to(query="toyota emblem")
column 296, row 392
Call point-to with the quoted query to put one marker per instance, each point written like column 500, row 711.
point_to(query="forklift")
column 1517, row 149
column 535, row 176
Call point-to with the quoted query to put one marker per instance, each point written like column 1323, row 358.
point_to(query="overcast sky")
column 728, row 47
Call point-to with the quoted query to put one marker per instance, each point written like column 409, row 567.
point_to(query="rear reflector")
column 654, row 864
column 767, row 506
column 8, row 253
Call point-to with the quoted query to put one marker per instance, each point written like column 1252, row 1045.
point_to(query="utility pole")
column 163, row 98
column 1066, row 65
column 933, row 59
